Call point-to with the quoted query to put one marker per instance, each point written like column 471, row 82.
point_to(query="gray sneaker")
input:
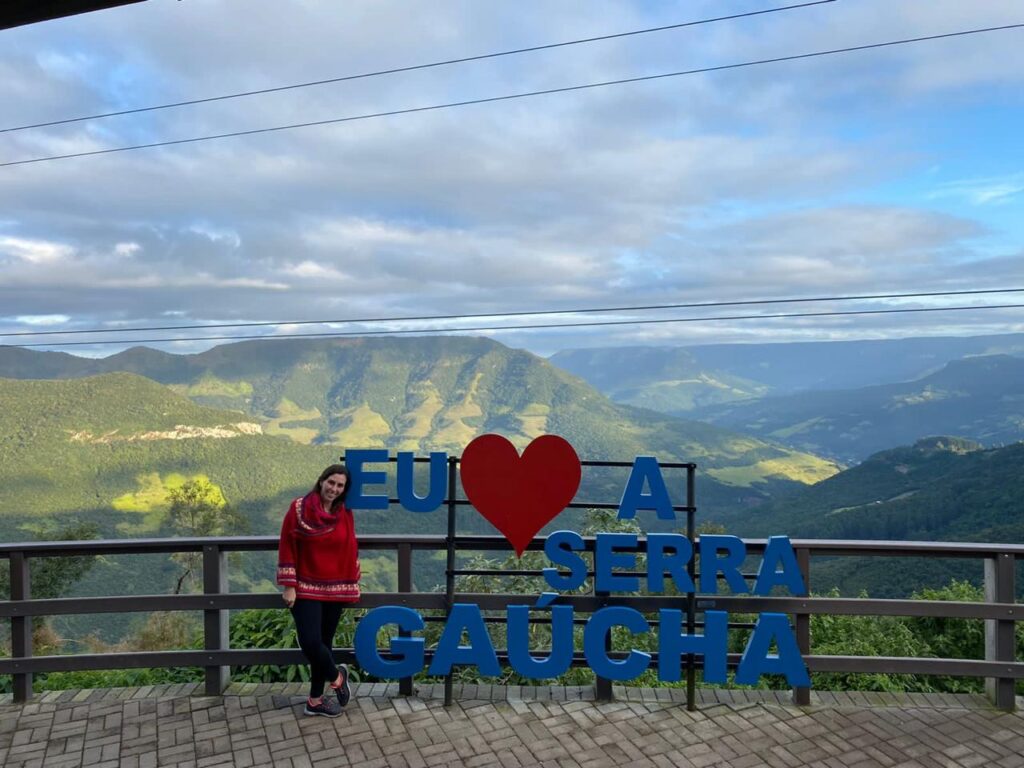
column 343, row 691
column 326, row 708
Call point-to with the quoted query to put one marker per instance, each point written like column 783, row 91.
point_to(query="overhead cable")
column 532, row 327
column 520, row 313
column 507, row 97
column 411, row 68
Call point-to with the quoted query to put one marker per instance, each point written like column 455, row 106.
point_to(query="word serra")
column 519, row 495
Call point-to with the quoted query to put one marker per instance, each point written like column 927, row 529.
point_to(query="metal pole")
column 691, row 597
column 602, row 685
column 802, row 695
column 405, row 586
column 449, row 591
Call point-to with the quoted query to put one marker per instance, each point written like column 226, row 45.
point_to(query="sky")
column 891, row 170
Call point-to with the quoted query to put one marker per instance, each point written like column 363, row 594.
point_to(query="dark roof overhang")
column 15, row 13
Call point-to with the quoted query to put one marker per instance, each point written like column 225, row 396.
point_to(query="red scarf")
column 313, row 519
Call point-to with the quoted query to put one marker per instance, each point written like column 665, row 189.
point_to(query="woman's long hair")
column 335, row 469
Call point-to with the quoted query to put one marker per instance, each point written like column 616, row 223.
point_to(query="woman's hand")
column 289, row 596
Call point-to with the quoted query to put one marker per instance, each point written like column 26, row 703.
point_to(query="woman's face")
column 332, row 487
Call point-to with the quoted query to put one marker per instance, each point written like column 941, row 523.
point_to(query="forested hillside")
column 88, row 450
column 939, row 489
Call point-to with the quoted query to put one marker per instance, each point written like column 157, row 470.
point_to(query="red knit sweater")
column 320, row 560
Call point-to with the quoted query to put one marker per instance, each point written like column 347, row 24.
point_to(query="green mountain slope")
column 981, row 398
column 74, row 447
column 114, row 406
column 939, row 489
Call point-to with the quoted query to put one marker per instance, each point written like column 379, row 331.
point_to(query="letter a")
column 634, row 498
column 779, row 551
column 757, row 661
column 465, row 617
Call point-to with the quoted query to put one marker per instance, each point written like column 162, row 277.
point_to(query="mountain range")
column 977, row 395
column 678, row 380
column 304, row 402
column 980, row 398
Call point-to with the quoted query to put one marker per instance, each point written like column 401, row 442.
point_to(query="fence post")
column 215, row 622
column 999, row 633
column 405, row 586
column 21, row 626
column 802, row 622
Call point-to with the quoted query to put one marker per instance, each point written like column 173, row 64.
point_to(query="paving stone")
column 257, row 726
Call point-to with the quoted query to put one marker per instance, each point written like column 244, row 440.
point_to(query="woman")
column 318, row 565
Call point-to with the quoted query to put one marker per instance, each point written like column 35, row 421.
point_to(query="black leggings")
column 315, row 622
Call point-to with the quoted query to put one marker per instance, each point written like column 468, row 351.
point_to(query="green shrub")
column 273, row 628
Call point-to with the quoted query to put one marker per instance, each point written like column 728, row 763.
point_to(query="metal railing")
column 999, row 609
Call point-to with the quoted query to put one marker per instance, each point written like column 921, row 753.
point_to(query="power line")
column 411, row 68
column 595, row 324
column 508, row 97
column 519, row 313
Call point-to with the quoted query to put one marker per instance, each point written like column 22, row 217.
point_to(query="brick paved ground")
column 263, row 726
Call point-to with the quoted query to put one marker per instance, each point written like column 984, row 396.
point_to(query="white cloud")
column 243, row 282
column 37, row 252
column 42, row 319
column 985, row 191
column 316, row 271
column 217, row 234
column 126, row 249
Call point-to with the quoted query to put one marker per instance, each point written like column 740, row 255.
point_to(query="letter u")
column 559, row 658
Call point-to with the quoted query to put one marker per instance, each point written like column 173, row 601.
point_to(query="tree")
column 52, row 577
column 198, row 508
column 957, row 638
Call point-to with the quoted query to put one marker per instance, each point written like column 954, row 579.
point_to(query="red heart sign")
column 520, row 495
